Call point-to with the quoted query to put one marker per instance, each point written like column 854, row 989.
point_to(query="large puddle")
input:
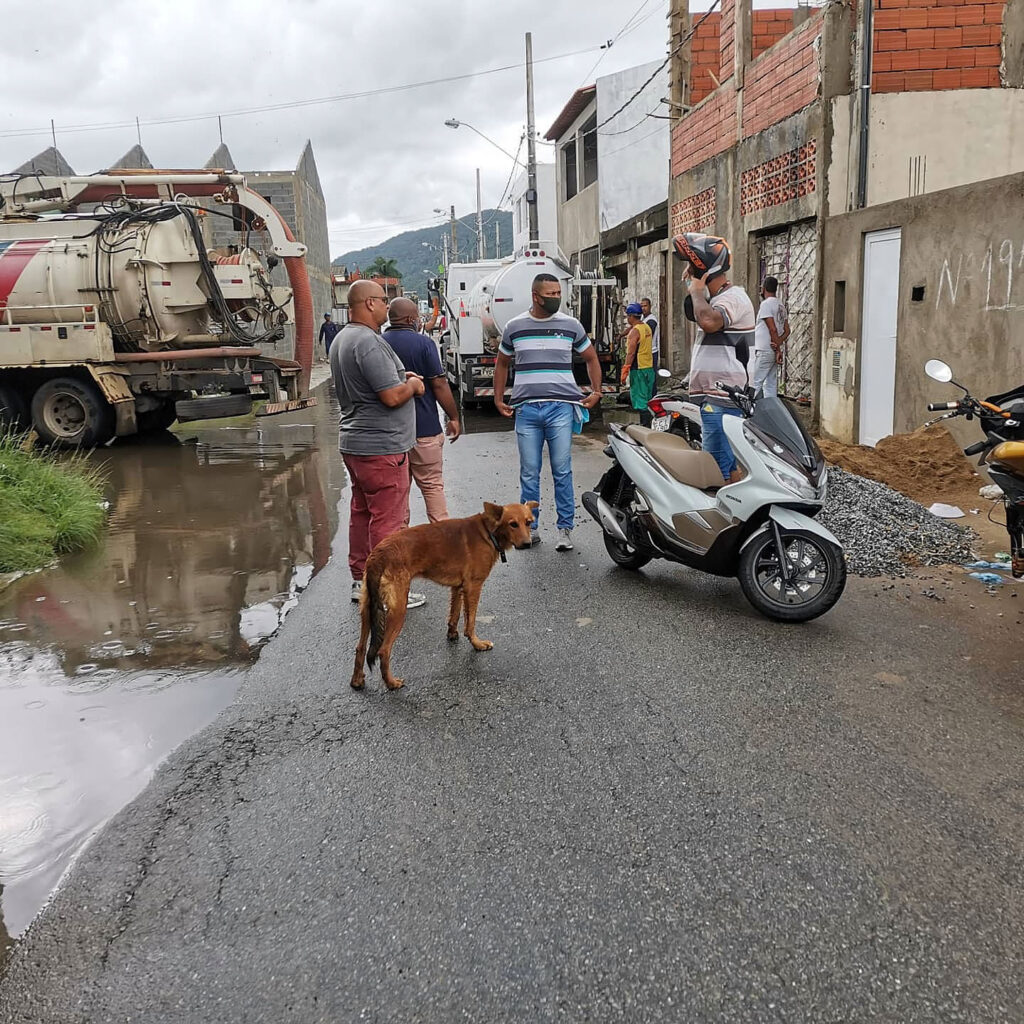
column 111, row 661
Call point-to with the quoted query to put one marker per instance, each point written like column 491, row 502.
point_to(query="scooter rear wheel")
column 817, row 575
column 624, row 555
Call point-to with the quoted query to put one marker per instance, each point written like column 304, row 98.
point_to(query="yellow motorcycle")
column 1002, row 452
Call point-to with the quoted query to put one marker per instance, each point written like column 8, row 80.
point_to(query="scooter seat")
column 678, row 459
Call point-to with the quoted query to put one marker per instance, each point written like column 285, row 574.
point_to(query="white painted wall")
column 547, row 209
column 578, row 226
column 922, row 142
column 632, row 148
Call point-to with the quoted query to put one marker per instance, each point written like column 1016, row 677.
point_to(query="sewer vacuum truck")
column 482, row 297
column 117, row 317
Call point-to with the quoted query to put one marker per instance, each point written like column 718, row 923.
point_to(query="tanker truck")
column 117, row 318
column 482, row 297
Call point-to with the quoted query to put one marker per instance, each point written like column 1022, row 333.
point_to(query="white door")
column 878, row 335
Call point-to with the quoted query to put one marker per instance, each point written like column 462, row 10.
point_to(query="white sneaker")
column 564, row 540
column 357, row 590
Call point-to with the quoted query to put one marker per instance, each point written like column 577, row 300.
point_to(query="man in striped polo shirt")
column 545, row 396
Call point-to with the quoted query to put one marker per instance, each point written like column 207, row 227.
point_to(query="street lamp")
column 453, row 123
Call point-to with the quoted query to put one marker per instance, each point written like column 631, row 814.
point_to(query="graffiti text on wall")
column 966, row 277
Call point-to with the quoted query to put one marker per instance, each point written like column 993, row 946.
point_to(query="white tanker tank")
column 144, row 273
column 508, row 291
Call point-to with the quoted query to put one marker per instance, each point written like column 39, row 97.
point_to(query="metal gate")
column 791, row 256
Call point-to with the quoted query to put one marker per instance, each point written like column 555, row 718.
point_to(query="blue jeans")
column 713, row 439
column 537, row 422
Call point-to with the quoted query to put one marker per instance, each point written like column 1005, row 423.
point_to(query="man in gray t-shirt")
column 377, row 427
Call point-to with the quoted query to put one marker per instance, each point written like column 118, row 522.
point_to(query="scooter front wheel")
column 623, row 554
column 816, row 572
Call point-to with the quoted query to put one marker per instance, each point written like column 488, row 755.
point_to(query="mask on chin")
column 551, row 305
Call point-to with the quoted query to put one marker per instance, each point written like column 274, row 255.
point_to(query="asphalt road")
column 646, row 804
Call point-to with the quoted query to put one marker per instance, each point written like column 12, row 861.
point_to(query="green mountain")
column 416, row 261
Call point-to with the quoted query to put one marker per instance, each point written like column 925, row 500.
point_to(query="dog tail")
column 377, row 612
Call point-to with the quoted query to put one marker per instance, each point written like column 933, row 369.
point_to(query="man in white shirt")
column 771, row 332
column 652, row 321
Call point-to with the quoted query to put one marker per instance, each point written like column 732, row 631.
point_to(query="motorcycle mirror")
column 662, row 372
column 938, row 370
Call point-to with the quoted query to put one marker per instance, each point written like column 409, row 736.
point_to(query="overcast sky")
column 386, row 161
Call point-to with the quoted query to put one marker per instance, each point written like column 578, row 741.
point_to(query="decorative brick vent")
column 698, row 213
column 781, row 180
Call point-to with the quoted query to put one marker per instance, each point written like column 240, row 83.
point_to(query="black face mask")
column 551, row 305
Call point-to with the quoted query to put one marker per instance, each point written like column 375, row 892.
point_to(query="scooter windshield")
column 776, row 423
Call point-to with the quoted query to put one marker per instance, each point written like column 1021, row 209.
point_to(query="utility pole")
column 455, row 241
column 480, row 250
column 531, row 147
column 444, row 253
column 497, row 240
column 679, row 68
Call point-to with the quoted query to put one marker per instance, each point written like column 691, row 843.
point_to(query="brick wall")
column 706, row 131
column 727, row 40
column 782, row 81
column 704, row 47
column 923, row 45
column 696, row 213
column 767, row 28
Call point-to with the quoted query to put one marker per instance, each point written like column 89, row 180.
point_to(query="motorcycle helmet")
column 707, row 254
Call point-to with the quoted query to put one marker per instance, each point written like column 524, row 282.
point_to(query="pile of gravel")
column 884, row 532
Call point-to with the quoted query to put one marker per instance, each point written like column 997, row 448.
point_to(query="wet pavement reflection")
column 111, row 661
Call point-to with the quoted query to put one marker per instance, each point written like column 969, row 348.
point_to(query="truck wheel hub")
column 65, row 415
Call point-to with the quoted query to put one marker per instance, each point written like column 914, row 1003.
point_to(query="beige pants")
column 426, row 461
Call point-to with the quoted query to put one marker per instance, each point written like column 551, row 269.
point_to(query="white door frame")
column 877, row 349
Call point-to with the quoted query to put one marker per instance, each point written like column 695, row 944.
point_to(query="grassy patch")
column 49, row 506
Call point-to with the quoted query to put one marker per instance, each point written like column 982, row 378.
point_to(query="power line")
column 661, row 67
column 611, row 42
column 508, row 184
column 291, row 105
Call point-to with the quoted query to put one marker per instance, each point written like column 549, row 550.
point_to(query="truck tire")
column 213, row 407
column 13, row 411
column 72, row 413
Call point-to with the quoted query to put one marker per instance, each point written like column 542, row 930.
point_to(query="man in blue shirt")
column 545, row 395
column 419, row 354
column 328, row 329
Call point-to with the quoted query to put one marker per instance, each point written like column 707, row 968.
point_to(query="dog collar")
column 497, row 546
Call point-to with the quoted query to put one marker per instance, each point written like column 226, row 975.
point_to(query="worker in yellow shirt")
column 638, row 366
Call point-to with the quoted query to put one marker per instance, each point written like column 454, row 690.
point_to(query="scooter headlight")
column 792, row 480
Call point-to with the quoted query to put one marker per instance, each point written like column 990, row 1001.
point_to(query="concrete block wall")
column 928, row 45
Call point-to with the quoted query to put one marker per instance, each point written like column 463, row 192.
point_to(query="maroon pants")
column 380, row 503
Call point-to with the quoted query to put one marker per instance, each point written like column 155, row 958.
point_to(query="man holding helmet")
column 725, row 322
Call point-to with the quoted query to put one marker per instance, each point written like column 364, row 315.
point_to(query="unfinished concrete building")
column 874, row 206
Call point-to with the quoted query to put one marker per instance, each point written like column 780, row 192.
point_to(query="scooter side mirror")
column 938, row 370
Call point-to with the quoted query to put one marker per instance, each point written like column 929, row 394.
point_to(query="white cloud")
column 384, row 160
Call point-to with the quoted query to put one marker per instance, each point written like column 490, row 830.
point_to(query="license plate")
column 485, row 372
column 661, row 422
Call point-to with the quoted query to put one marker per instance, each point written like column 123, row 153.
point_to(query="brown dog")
column 457, row 553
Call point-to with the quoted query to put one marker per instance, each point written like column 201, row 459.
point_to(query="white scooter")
column 662, row 499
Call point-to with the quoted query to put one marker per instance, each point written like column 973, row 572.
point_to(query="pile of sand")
column 927, row 465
